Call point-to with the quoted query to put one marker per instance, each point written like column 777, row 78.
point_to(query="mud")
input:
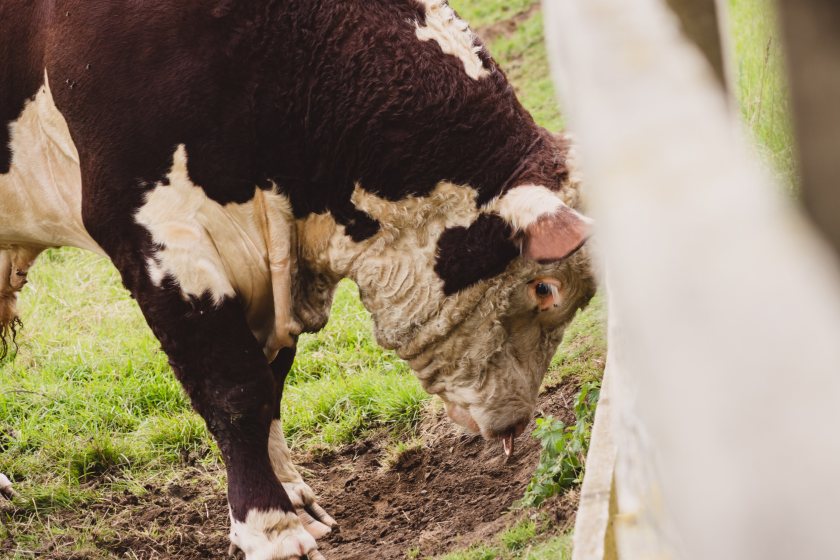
column 452, row 491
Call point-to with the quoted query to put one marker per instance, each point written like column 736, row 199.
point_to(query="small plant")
column 563, row 449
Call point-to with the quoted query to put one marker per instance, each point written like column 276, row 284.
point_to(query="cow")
column 235, row 159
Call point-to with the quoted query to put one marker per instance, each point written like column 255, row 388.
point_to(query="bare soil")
column 453, row 491
column 506, row 27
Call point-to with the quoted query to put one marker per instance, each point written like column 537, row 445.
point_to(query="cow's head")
column 474, row 297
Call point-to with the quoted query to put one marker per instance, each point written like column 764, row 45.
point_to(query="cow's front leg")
column 314, row 518
column 231, row 385
column 223, row 369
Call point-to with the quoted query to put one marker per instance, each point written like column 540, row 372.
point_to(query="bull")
column 235, row 160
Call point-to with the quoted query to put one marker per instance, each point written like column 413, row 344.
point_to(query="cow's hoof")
column 272, row 535
column 6, row 489
column 315, row 520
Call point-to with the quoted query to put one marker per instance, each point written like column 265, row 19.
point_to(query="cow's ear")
column 549, row 230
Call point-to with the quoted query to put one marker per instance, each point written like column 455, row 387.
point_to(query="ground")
column 110, row 462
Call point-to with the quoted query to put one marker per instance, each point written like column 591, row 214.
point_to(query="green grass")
column 523, row 57
column 761, row 82
column 525, row 540
column 480, row 13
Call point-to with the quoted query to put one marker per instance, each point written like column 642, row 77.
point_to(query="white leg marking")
column 317, row 521
column 271, row 535
column 453, row 35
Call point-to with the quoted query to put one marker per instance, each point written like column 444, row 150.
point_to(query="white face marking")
column 42, row 194
column 462, row 347
column 266, row 535
column 223, row 250
column 453, row 35
column 395, row 268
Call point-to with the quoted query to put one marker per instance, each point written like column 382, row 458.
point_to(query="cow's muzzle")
column 461, row 416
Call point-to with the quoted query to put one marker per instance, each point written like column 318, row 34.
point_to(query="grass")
column 525, row 540
column 523, row 57
column 89, row 406
column 761, row 84
column 481, row 13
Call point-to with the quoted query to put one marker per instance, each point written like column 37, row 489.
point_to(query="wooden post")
column 724, row 304
column 703, row 22
column 812, row 32
column 594, row 537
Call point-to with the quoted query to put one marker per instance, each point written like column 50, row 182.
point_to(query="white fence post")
column 724, row 303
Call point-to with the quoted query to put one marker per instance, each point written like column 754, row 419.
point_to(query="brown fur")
column 314, row 97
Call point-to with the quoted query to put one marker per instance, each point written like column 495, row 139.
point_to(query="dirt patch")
column 453, row 491
column 506, row 27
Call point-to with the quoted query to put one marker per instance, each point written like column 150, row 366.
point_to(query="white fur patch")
column 41, row 195
column 453, row 35
column 222, row 250
column 522, row 206
column 269, row 535
column 173, row 215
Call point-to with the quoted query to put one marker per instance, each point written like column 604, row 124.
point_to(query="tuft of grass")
column 517, row 537
column 176, row 435
column 98, row 457
column 397, row 451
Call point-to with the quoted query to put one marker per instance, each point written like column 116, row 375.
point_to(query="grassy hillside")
column 89, row 407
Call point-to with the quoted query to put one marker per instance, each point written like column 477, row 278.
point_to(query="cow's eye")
column 542, row 289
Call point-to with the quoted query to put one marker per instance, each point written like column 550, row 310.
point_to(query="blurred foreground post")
column 812, row 33
column 724, row 303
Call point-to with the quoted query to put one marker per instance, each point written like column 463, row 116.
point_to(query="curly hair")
column 10, row 324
